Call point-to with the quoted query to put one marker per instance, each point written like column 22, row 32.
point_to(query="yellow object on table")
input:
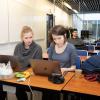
column 24, row 74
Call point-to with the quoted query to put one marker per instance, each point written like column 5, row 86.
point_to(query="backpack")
column 91, row 68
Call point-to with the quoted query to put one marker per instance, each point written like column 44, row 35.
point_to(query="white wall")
column 18, row 8
column 77, row 23
column 62, row 18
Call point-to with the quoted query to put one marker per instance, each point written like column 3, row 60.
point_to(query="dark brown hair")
column 73, row 30
column 57, row 30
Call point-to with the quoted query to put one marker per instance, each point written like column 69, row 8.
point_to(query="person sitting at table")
column 75, row 40
column 26, row 50
column 62, row 51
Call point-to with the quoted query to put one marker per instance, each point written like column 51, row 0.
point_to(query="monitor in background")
column 84, row 34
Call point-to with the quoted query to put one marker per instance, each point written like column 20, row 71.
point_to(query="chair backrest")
column 90, row 47
column 99, row 53
column 98, row 44
column 82, row 53
column 78, row 62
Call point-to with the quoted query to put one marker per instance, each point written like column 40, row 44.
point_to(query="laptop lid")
column 14, row 61
column 16, row 64
column 45, row 67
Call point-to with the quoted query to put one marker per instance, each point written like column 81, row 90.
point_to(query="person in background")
column 75, row 40
column 62, row 51
column 25, row 50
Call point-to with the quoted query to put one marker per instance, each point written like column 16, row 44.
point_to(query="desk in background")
column 97, row 47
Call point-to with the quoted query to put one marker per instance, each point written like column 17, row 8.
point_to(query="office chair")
column 90, row 47
column 98, row 44
column 98, row 53
column 82, row 53
column 78, row 62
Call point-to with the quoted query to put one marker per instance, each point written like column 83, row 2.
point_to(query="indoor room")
column 78, row 75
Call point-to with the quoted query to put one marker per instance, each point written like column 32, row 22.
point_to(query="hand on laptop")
column 63, row 70
column 72, row 68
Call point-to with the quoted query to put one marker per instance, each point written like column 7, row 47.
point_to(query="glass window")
column 84, row 25
column 98, row 35
column 92, row 25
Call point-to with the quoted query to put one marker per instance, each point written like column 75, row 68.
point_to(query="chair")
column 82, row 53
column 78, row 62
column 98, row 44
column 91, row 50
column 98, row 53
column 90, row 47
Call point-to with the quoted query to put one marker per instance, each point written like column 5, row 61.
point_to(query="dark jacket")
column 24, row 55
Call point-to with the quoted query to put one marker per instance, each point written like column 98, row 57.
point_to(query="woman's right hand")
column 63, row 70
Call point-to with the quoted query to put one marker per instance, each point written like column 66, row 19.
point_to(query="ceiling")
column 82, row 6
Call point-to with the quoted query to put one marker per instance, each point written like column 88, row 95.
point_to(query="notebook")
column 15, row 63
column 45, row 67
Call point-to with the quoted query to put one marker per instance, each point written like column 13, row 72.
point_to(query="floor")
column 36, row 96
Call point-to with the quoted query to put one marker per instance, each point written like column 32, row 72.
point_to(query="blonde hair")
column 26, row 29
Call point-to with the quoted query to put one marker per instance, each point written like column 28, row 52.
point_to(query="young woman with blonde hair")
column 25, row 50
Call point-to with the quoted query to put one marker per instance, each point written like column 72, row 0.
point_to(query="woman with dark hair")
column 62, row 51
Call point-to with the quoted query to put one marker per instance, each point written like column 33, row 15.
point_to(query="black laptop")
column 15, row 62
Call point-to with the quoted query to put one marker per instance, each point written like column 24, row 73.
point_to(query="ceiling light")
column 67, row 5
column 75, row 11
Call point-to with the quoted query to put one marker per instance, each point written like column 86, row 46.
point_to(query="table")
column 81, row 85
column 40, row 82
column 93, row 52
column 97, row 48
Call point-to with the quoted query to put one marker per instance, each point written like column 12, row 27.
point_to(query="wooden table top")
column 81, row 85
column 41, row 81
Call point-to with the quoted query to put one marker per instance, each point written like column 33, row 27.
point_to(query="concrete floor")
column 36, row 96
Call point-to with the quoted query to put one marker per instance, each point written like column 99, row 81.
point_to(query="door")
column 50, row 23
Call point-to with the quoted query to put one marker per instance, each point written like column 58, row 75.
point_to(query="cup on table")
column 78, row 73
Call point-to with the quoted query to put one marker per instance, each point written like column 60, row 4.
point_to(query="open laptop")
column 14, row 61
column 45, row 67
